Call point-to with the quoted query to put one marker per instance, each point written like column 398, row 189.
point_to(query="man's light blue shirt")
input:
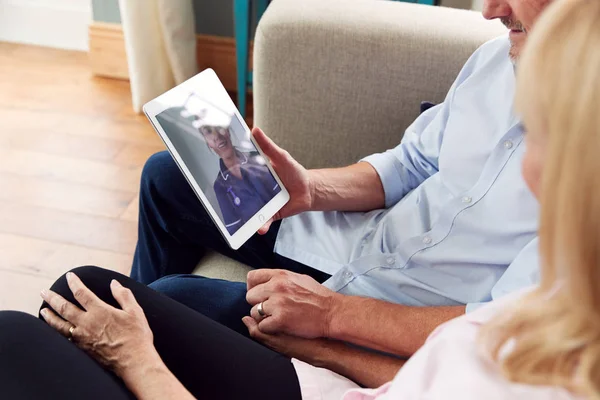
column 459, row 224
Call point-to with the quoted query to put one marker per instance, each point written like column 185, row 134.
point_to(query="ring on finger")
column 261, row 310
column 71, row 329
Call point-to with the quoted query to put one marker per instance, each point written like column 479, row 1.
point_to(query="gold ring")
column 261, row 311
column 71, row 329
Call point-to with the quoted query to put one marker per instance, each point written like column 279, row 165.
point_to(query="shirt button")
column 467, row 199
column 427, row 240
column 390, row 260
column 508, row 145
column 347, row 274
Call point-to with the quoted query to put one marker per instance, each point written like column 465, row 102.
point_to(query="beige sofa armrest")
column 336, row 80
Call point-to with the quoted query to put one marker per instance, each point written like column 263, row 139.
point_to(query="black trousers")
column 209, row 359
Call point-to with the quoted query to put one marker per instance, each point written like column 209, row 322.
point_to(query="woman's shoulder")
column 453, row 366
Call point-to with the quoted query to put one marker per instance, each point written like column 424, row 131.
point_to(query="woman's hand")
column 367, row 368
column 118, row 339
column 312, row 351
column 294, row 177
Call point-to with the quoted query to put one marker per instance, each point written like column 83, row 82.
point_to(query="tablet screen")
column 216, row 148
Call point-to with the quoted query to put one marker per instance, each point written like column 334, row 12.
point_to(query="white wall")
column 477, row 5
column 52, row 23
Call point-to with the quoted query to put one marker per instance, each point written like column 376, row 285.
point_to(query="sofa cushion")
column 218, row 266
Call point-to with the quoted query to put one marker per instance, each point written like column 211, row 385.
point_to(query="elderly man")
column 401, row 241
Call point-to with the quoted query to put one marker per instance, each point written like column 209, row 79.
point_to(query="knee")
column 7, row 318
column 13, row 324
column 192, row 290
column 90, row 275
column 159, row 169
column 185, row 289
column 169, row 286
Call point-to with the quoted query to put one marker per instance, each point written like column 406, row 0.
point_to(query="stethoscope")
column 236, row 200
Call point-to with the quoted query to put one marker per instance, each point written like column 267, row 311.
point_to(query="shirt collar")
column 224, row 171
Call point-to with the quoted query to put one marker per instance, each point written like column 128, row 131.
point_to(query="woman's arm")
column 361, row 366
column 148, row 378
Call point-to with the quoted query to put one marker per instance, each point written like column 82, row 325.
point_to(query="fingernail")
column 43, row 312
column 69, row 276
column 43, row 293
column 115, row 282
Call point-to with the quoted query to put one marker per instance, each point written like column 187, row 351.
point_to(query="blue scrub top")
column 241, row 199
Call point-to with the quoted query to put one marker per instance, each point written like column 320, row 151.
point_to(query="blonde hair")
column 552, row 337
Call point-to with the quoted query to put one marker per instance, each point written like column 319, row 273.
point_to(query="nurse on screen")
column 243, row 184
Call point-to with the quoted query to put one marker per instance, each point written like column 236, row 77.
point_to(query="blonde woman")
column 541, row 344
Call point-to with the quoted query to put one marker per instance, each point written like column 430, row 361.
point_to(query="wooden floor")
column 71, row 154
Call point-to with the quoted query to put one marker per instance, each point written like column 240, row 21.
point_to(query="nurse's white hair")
column 552, row 336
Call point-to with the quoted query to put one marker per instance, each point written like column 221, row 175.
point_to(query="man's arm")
column 384, row 326
column 366, row 368
column 379, row 181
column 298, row 305
column 353, row 188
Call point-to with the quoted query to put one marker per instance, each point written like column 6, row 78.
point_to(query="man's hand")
column 294, row 177
column 294, row 304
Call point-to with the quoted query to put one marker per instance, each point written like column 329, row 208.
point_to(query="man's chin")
column 516, row 46
column 514, row 52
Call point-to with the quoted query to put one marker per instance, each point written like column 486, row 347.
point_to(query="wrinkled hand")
column 307, row 350
column 294, row 177
column 116, row 338
column 294, row 304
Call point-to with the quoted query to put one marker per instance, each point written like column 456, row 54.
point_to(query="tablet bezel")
column 235, row 241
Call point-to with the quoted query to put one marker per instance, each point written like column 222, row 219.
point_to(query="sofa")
column 336, row 80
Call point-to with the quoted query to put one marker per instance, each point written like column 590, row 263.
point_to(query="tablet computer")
column 213, row 147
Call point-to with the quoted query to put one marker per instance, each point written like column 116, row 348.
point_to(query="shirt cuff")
column 385, row 165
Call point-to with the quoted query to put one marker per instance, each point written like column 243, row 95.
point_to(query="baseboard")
column 108, row 58
column 107, row 50
column 51, row 23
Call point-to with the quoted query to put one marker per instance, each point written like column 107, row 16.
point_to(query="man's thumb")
column 267, row 145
